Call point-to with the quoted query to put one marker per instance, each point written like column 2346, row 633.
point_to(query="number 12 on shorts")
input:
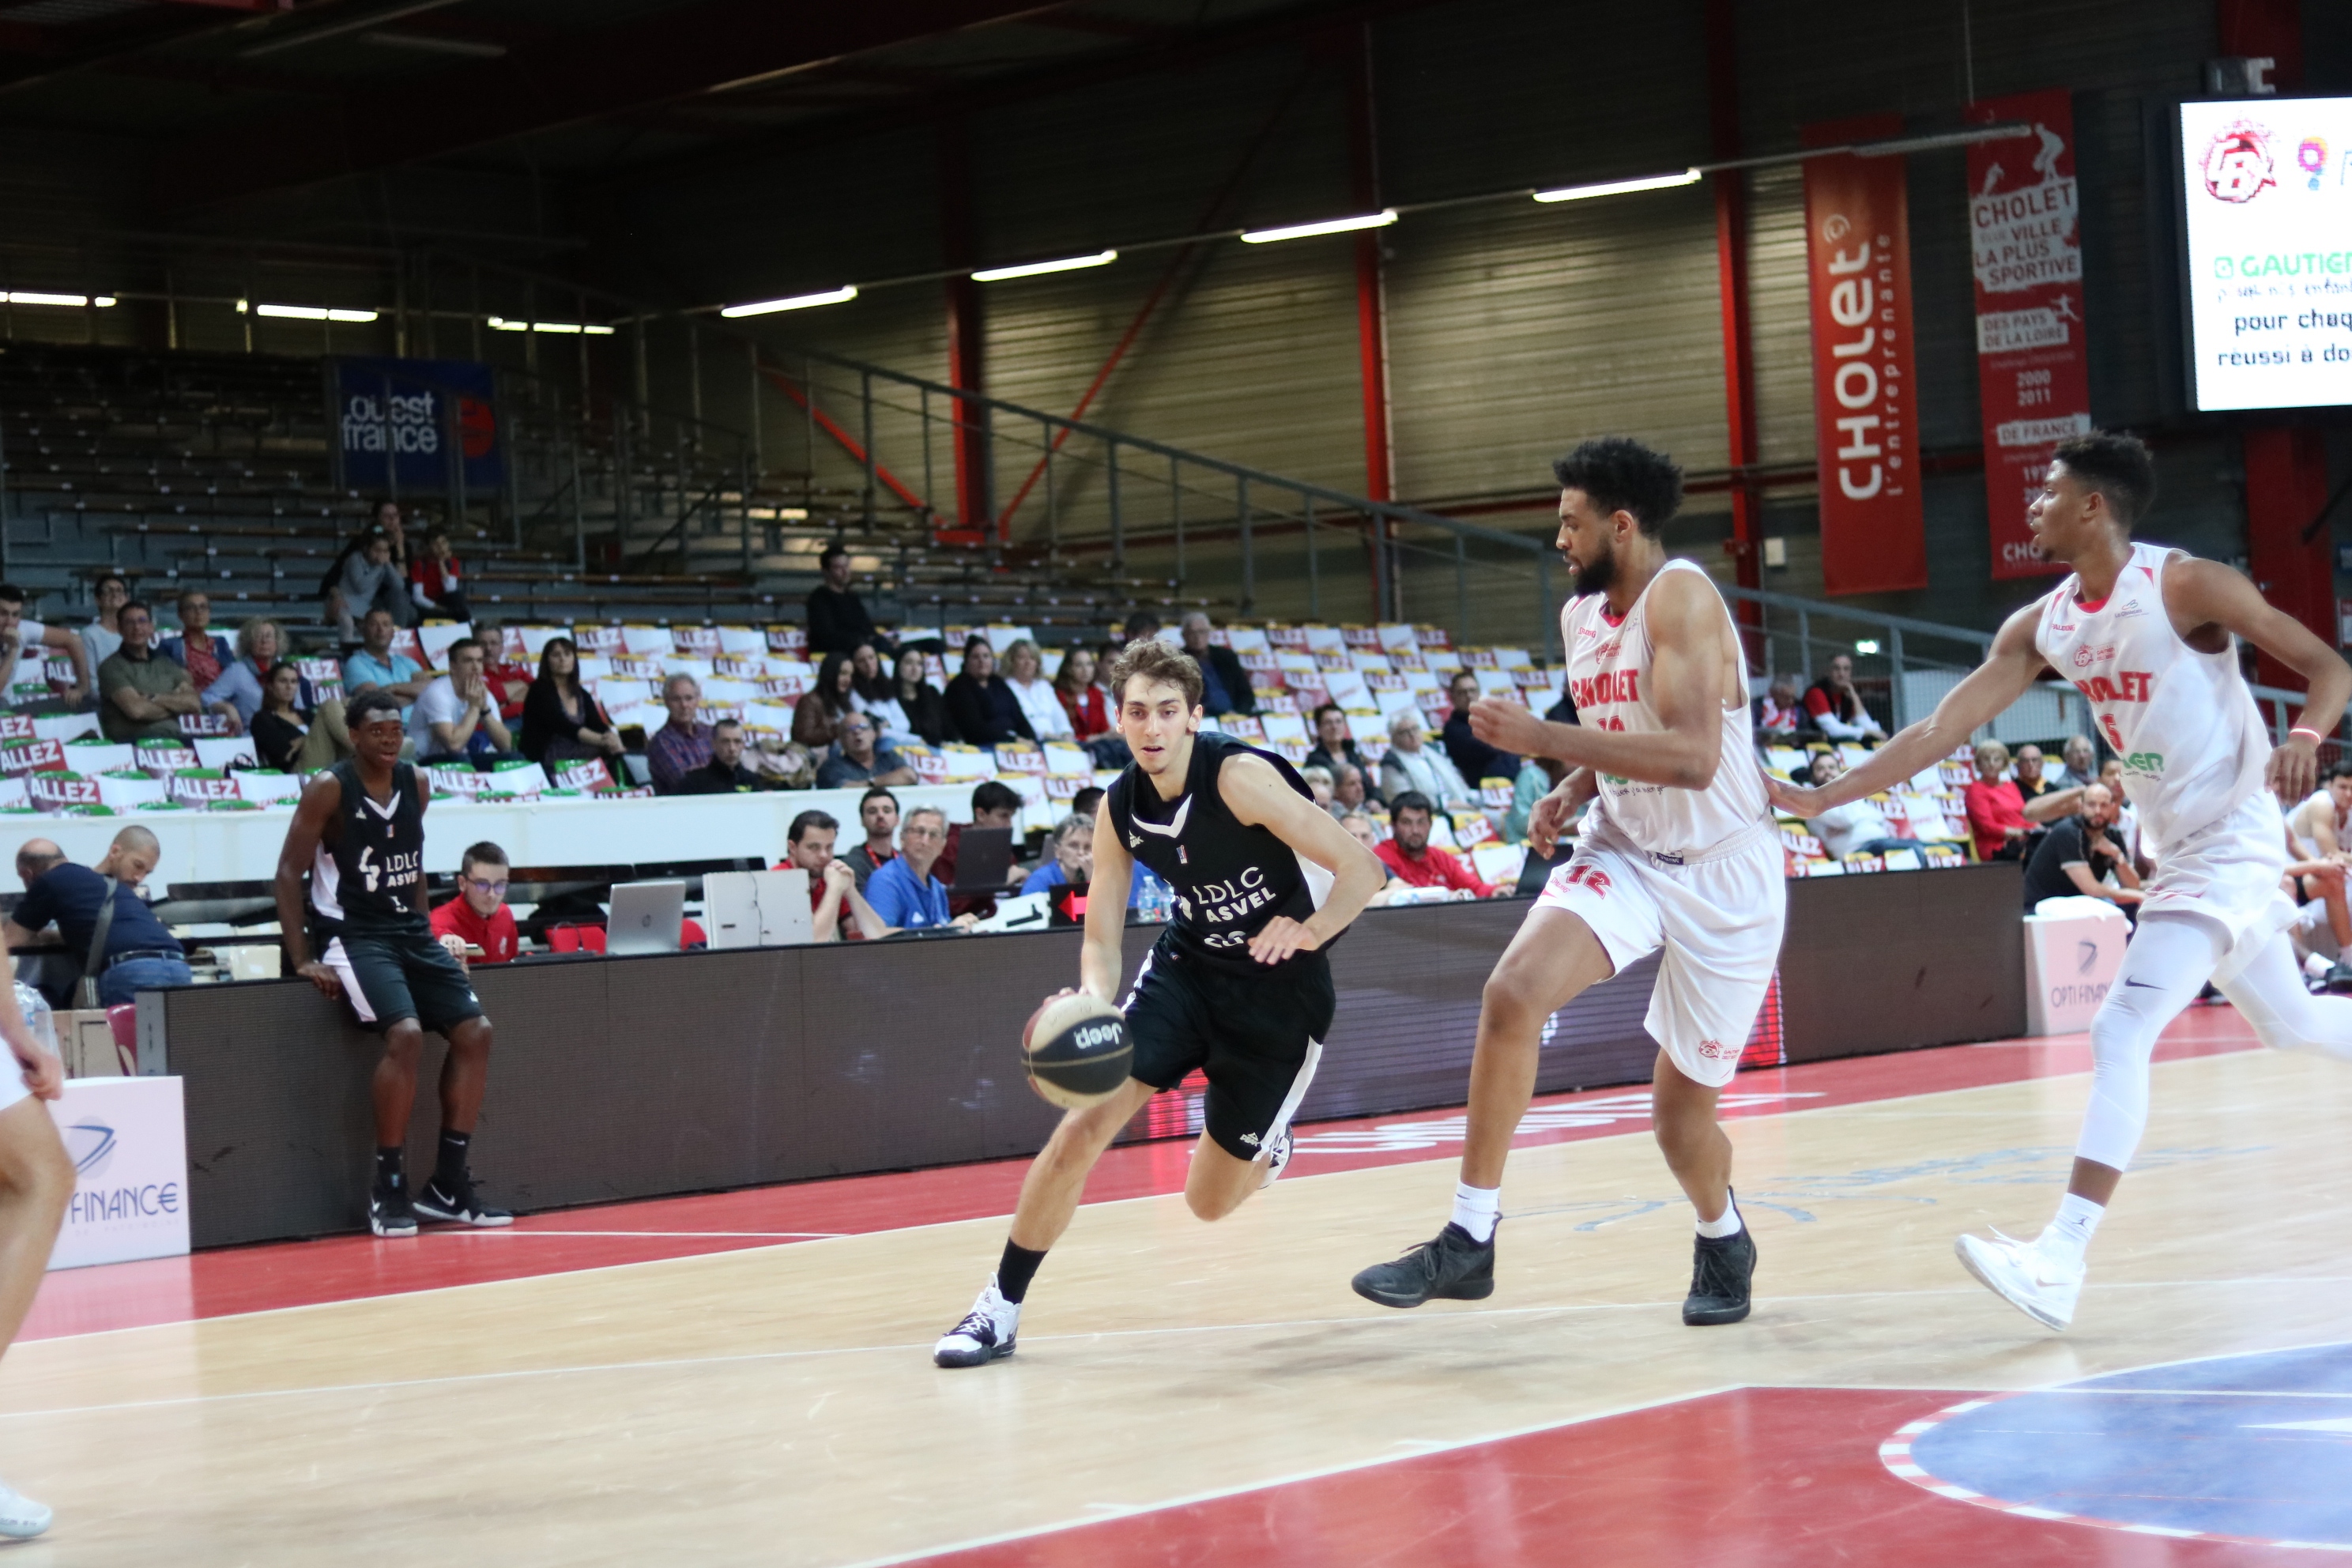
column 1591, row 877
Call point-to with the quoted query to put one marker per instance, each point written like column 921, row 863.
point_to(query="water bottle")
column 37, row 1019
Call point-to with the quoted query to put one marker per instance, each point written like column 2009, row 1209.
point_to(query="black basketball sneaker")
column 461, row 1206
column 1722, row 1268
column 390, row 1213
column 1452, row 1267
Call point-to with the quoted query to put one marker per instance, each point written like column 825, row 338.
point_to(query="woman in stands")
column 816, row 720
column 1041, row 701
column 874, row 694
column 984, row 710
column 1083, row 702
column 290, row 738
column 922, row 708
column 242, row 686
column 103, row 636
column 561, row 721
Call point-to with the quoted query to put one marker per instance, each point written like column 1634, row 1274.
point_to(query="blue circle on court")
column 2255, row 1447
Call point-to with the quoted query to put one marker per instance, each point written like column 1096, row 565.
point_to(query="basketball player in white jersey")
column 1680, row 855
column 2149, row 635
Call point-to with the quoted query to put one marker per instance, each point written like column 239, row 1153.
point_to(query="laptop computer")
column 647, row 917
column 984, row 857
column 758, row 908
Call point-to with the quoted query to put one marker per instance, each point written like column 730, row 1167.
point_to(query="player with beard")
column 1679, row 857
column 2149, row 635
column 1238, row 986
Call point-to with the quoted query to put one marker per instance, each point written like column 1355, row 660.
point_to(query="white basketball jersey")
column 1609, row 681
column 2191, row 739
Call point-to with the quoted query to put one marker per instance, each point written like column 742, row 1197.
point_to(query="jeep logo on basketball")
column 1094, row 1036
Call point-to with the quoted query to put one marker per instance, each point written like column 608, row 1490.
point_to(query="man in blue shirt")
column 1074, row 862
column 140, row 952
column 903, row 891
column 376, row 665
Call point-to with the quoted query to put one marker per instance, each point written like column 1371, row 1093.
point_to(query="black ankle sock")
column 387, row 1168
column 450, row 1169
column 1019, row 1267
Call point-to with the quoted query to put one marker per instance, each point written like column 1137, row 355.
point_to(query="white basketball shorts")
column 2229, row 873
column 1719, row 920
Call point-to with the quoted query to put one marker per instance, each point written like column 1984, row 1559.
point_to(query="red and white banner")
column 2033, row 377
column 1858, row 269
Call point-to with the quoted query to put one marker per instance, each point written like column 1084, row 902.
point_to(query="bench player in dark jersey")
column 359, row 837
column 1237, row 985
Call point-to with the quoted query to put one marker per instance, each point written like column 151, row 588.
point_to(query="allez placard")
column 1865, row 418
column 2266, row 200
column 2033, row 372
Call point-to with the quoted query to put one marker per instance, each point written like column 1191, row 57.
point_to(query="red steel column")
column 1371, row 297
column 967, row 337
column 1746, row 543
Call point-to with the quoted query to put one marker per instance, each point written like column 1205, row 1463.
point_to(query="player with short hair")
column 1238, row 985
column 1679, row 856
column 358, row 836
column 2150, row 635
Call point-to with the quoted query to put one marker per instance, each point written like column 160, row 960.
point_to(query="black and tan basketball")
column 1077, row 1050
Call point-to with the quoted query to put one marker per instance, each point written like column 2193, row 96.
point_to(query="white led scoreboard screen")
column 2266, row 203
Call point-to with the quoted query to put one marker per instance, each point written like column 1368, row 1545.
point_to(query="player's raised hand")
column 1797, row 800
column 2294, row 771
column 1511, row 726
column 1281, row 937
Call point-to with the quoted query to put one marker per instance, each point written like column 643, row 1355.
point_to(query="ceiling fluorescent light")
column 1619, row 187
column 794, row 302
column 1332, row 226
column 1030, row 269
column 307, row 312
column 74, row 301
column 592, row 329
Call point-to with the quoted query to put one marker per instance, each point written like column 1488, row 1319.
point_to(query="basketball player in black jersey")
column 1237, row 985
column 358, row 837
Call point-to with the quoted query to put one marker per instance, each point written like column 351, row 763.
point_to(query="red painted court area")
column 340, row 1269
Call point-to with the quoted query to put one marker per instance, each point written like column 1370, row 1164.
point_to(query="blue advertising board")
column 393, row 420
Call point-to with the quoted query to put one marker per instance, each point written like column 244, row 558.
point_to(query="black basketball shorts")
column 1257, row 1036
column 392, row 975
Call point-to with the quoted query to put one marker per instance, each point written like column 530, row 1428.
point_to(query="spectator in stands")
column 1474, row 759
column 857, row 758
column 1857, row 827
column 372, row 582
column 290, row 733
column 1409, row 767
column 1140, row 627
column 994, row 804
column 2025, row 769
column 103, row 636
column 1083, row 703
column 983, row 708
column 1335, row 748
column 375, row 664
column 2082, row 760
column 1040, row 704
column 877, row 814
column 142, row 695
column 435, row 580
column 479, row 916
column 385, row 523
column 923, row 705
column 903, row 892
column 873, row 692
column 509, row 678
column 817, row 716
column 837, row 621
column 1413, row 860
column 833, row 886
column 2080, row 854
column 562, row 721
column 22, row 640
column 683, row 744
column 1996, row 810
column 1318, row 780
column 724, row 773
column 1538, row 777
column 1367, row 832
column 1224, row 684
column 455, row 719
column 1072, row 862
column 1087, row 801
column 194, row 647
column 1779, row 714
column 1837, row 708
column 1347, row 789
column 242, row 684
column 139, row 953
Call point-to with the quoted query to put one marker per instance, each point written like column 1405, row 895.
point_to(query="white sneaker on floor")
column 20, row 1517
column 986, row 1333
column 1276, row 1156
column 2021, row 1273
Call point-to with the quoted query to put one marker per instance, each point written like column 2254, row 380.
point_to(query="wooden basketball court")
column 747, row 1378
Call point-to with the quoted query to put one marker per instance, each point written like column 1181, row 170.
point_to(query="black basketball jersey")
column 365, row 874
column 1230, row 877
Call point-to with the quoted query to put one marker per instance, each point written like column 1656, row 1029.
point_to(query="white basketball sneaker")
column 1277, row 1156
column 2023, row 1274
column 20, row 1517
column 986, row 1333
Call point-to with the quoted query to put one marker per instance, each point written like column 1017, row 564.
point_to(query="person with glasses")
column 479, row 916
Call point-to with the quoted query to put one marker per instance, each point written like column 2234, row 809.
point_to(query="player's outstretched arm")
column 2006, row 674
column 1102, row 959
column 321, row 799
column 1263, row 798
column 2200, row 593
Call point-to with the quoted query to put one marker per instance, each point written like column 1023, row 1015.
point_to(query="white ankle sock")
column 2068, row 1236
column 1475, row 1209
column 1728, row 1223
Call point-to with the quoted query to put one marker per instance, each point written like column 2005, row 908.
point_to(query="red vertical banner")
column 2034, row 373
column 1858, row 267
